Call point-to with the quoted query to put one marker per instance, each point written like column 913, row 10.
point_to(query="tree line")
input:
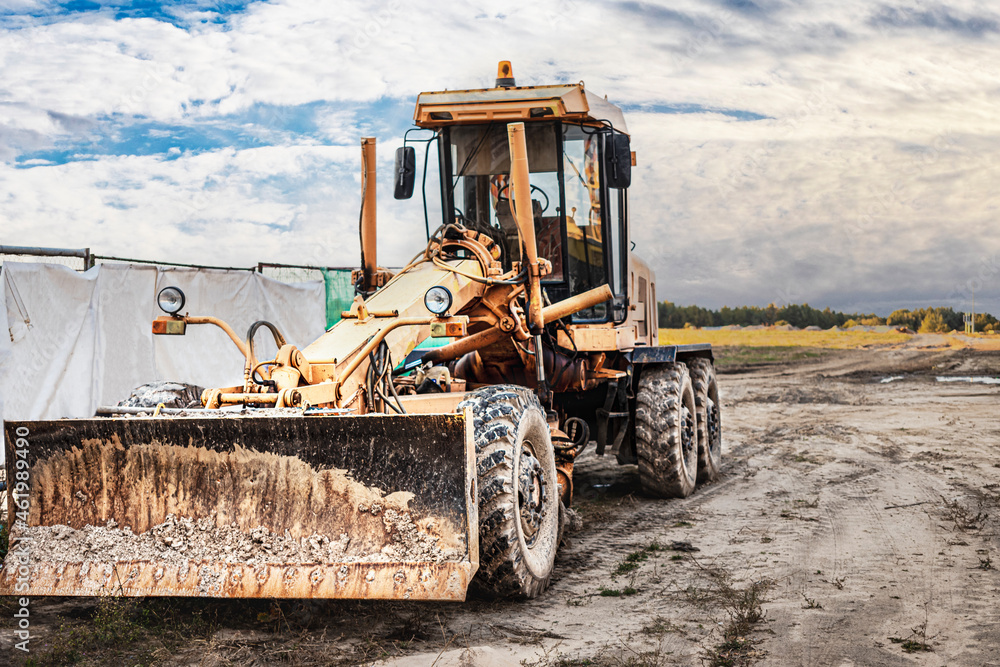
column 672, row 316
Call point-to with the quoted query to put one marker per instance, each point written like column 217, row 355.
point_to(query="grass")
column 114, row 630
column 916, row 642
column 127, row 631
column 617, row 592
column 770, row 346
column 772, row 338
column 811, row 603
column 744, row 607
column 731, row 356
column 632, row 561
column 910, row 645
column 965, row 519
column 609, row 656
column 659, row 627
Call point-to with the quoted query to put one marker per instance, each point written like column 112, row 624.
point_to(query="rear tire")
column 519, row 522
column 666, row 431
column 706, row 400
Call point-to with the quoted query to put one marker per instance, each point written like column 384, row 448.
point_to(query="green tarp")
column 339, row 294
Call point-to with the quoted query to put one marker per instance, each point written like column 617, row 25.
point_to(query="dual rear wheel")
column 678, row 431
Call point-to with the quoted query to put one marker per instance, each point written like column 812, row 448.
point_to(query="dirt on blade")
column 286, row 512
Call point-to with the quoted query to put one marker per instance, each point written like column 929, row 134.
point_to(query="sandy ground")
column 872, row 510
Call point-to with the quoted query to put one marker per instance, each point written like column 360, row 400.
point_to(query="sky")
column 840, row 154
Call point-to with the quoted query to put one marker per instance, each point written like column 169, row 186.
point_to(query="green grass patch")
column 910, row 645
column 632, row 561
column 730, row 356
column 617, row 592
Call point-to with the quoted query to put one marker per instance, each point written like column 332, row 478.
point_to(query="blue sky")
column 836, row 153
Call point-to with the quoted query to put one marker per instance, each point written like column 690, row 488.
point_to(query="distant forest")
column 926, row 320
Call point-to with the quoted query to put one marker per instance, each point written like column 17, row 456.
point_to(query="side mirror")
column 405, row 173
column 619, row 161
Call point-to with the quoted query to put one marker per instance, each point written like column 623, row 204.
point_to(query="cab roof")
column 516, row 103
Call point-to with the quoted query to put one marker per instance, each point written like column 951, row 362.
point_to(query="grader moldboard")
column 425, row 443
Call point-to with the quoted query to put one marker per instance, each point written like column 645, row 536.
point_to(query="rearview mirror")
column 619, row 161
column 405, row 172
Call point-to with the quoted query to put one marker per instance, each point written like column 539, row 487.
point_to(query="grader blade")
column 368, row 507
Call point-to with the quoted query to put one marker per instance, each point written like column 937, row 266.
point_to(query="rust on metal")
column 169, row 326
column 374, row 581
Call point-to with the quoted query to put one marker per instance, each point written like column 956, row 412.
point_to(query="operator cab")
column 579, row 161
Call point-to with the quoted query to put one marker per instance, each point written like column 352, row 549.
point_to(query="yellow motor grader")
column 425, row 443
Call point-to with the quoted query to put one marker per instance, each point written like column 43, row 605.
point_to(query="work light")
column 438, row 300
column 170, row 300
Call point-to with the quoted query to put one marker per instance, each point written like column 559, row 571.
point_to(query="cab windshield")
column 565, row 191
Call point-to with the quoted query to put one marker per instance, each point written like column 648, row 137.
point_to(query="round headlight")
column 438, row 300
column 170, row 300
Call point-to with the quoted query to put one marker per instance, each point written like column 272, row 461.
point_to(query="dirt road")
column 860, row 518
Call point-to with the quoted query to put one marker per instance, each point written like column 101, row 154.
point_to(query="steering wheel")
column 534, row 188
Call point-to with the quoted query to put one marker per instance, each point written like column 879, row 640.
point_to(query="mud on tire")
column 707, row 408
column 518, row 496
column 666, row 431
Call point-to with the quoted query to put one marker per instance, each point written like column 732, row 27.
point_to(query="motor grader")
column 425, row 443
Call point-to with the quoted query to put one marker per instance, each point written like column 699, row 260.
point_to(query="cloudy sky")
column 839, row 153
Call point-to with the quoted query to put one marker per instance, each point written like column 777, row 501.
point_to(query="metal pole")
column 44, row 252
column 369, row 263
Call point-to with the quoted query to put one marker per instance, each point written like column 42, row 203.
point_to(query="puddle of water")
column 980, row 379
column 890, row 379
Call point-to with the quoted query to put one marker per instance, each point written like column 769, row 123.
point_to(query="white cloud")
column 296, row 204
column 872, row 176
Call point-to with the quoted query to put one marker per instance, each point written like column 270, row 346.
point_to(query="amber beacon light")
column 505, row 75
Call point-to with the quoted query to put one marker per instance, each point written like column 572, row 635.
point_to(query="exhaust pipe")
column 369, row 266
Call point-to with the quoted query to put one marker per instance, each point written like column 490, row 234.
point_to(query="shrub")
column 933, row 323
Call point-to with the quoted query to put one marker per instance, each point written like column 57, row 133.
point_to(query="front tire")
column 666, row 431
column 518, row 493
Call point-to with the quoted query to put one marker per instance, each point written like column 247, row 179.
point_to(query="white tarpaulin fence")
column 71, row 341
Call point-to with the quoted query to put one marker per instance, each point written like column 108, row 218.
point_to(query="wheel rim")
column 689, row 439
column 714, row 428
column 530, row 494
column 537, row 511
